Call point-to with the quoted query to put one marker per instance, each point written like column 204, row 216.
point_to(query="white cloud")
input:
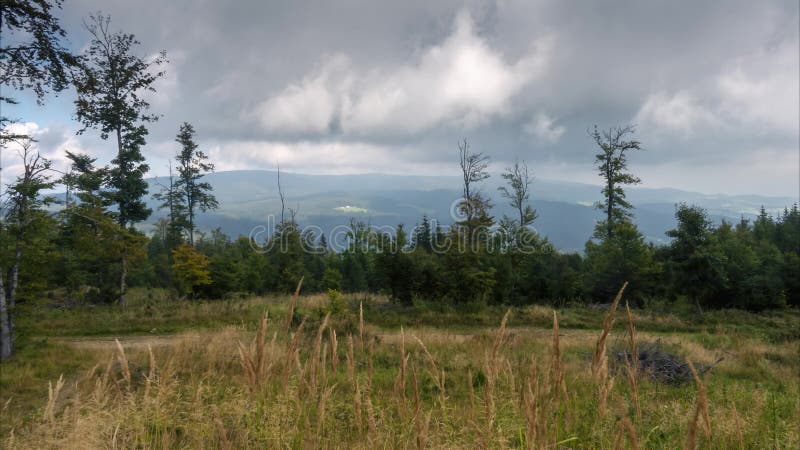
column 758, row 92
column 52, row 143
column 168, row 86
column 320, row 157
column 544, row 127
column 762, row 89
column 776, row 168
column 679, row 113
column 311, row 105
column 461, row 81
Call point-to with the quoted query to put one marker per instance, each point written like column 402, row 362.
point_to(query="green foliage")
column 548, row 276
column 474, row 206
column 191, row 194
column 695, row 263
column 612, row 163
column 110, row 82
column 332, row 278
column 336, row 303
column 190, row 268
column 517, row 192
column 396, row 266
column 286, row 258
column 90, row 239
column 32, row 56
column 739, row 267
column 624, row 256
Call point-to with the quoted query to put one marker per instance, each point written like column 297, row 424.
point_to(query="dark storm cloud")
column 363, row 86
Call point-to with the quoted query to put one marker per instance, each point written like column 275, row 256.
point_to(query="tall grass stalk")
column 290, row 315
column 700, row 417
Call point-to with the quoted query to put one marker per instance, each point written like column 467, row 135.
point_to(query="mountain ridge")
column 566, row 214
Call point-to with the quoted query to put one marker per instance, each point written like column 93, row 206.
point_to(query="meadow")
column 355, row 371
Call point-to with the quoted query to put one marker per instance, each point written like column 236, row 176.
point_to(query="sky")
column 391, row 87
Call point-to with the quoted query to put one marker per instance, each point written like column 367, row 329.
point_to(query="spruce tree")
column 88, row 229
column 194, row 194
column 172, row 200
column 612, row 164
column 422, row 239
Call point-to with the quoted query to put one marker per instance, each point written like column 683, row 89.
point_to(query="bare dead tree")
column 25, row 202
column 518, row 191
column 474, row 167
column 280, row 194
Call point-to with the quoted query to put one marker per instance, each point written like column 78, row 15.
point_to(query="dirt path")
column 426, row 334
column 128, row 342
column 387, row 336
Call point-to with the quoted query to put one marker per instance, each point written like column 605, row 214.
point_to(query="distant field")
column 208, row 375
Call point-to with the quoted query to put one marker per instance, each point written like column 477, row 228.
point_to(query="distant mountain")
column 566, row 215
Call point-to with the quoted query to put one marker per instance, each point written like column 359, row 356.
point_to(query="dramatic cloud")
column 679, row 113
column 462, row 80
column 763, row 90
column 545, row 128
column 755, row 92
column 310, row 106
column 333, row 157
column 332, row 87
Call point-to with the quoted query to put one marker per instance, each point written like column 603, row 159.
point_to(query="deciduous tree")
column 111, row 84
column 32, row 53
column 474, row 206
column 190, row 268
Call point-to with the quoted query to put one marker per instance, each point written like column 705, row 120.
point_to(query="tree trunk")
column 12, row 292
column 6, row 333
column 191, row 225
column 11, row 299
column 123, row 220
column 123, row 274
column 513, row 273
column 697, row 304
column 610, row 208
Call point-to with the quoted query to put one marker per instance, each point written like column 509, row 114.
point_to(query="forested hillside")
column 567, row 214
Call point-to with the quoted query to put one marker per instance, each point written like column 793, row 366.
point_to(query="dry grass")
column 292, row 304
column 600, row 357
column 416, row 388
column 700, row 417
